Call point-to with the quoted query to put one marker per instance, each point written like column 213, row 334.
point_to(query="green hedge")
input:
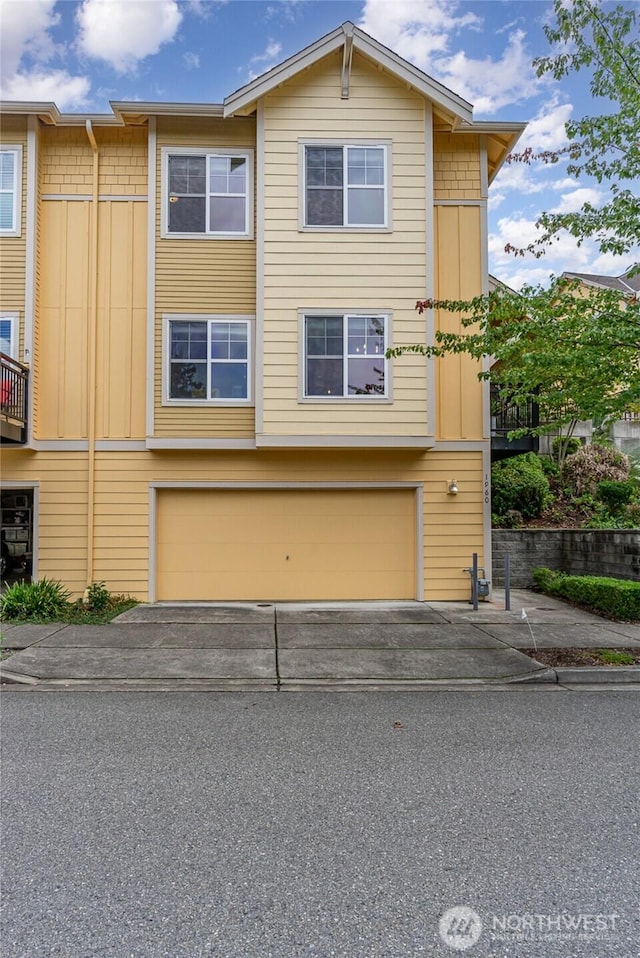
column 614, row 598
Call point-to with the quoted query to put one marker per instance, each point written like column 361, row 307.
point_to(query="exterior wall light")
column 452, row 488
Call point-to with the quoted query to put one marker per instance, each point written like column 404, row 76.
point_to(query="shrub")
column 614, row 598
column 614, row 494
column 549, row 467
column 98, row 597
column 519, row 484
column 44, row 599
column 591, row 465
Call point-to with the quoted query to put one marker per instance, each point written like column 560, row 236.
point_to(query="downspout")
column 92, row 349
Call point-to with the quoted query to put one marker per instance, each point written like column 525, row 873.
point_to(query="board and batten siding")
column 458, row 275
column 342, row 270
column 201, row 277
column 63, row 317
column 13, row 132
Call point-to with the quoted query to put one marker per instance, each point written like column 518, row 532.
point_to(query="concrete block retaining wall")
column 610, row 552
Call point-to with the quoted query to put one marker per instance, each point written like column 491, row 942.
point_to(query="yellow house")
column 197, row 299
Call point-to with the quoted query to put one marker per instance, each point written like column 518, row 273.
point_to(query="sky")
column 82, row 54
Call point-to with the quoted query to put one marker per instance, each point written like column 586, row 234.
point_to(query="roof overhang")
column 244, row 100
column 133, row 113
column 501, row 139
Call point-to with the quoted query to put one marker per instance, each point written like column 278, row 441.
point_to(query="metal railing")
column 506, row 416
column 14, row 382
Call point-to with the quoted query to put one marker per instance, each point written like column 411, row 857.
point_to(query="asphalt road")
column 284, row 825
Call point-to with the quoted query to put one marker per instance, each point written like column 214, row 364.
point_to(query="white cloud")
column 415, row 29
column 547, row 129
column 25, row 30
column 491, row 84
column 66, row 91
column 609, row 265
column 262, row 62
column 191, row 60
column 123, row 32
column 575, row 200
column 523, row 177
column 26, row 35
column 562, row 255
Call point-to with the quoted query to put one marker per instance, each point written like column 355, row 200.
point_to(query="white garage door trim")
column 168, row 484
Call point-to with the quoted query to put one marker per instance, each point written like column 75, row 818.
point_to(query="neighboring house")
column 200, row 297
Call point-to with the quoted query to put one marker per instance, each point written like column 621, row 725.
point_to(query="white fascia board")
column 123, row 108
column 420, row 81
column 251, row 92
column 46, row 110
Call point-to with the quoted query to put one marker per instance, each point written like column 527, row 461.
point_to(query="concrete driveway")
column 297, row 645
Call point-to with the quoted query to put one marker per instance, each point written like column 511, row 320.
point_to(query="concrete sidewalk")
column 301, row 645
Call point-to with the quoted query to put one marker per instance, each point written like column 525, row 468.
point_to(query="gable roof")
column 244, row 100
column 623, row 283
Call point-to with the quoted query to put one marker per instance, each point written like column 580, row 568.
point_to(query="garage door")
column 286, row 544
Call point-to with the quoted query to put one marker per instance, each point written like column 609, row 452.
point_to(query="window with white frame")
column 10, row 173
column 209, row 193
column 344, row 357
column 8, row 335
column 209, row 360
column 346, row 186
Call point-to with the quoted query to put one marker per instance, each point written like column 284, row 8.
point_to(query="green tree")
column 575, row 354
column 605, row 146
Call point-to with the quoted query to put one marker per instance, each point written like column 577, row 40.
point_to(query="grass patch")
column 614, row 657
column 616, row 599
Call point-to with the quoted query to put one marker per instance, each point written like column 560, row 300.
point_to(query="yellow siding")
column 13, row 131
column 61, row 531
column 61, row 357
column 452, row 524
column 456, row 166
column 66, row 161
column 64, row 313
column 341, row 269
column 202, row 277
column 121, row 334
column 458, row 275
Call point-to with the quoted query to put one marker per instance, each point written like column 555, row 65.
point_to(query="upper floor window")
column 10, row 180
column 346, row 186
column 209, row 359
column 345, row 356
column 208, row 193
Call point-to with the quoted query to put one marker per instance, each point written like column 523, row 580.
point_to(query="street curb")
column 17, row 678
column 599, row 675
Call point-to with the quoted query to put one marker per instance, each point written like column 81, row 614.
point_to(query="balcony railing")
column 507, row 417
column 14, row 388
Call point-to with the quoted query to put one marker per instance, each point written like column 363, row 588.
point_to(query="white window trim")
column 384, row 315
column 13, row 318
column 16, row 227
column 303, row 227
column 166, row 152
column 169, row 318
